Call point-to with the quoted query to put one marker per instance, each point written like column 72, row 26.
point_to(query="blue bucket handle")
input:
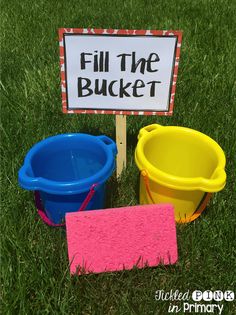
column 109, row 142
column 46, row 219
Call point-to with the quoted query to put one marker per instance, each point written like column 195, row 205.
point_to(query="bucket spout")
column 27, row 180
column 216, row 182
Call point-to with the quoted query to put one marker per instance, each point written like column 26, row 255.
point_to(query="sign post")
column 120, row 72
column 121, row 143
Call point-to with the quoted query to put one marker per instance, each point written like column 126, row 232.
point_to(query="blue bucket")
column 63, row 169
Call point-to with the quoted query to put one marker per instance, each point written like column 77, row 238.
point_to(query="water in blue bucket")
column 63, row 169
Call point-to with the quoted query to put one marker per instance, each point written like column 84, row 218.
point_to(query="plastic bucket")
column 63, row 169
column 180, row 166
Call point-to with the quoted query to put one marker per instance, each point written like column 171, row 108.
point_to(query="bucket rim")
column 178, row 182
column 73, row 186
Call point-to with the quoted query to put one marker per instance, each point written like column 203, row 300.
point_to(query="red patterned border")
column 62, row 31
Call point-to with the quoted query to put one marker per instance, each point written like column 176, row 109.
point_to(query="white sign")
column 118, row 72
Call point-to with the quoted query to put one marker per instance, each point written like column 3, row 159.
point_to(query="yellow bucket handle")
column 147, row 185
column 145, row 130
column 196, row 214
column 200, row 208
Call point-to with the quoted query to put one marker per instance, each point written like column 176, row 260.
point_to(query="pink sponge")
column 121, row 238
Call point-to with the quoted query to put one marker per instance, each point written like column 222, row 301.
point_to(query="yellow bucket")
column 181, row 166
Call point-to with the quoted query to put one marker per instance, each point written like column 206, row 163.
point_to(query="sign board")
column 122, row 72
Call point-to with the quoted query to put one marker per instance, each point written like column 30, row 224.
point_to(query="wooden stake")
column 121, row 143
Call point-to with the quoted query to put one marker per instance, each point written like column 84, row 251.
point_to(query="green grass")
column 34, row 265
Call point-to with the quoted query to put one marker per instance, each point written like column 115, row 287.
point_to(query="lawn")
column 34, row 266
